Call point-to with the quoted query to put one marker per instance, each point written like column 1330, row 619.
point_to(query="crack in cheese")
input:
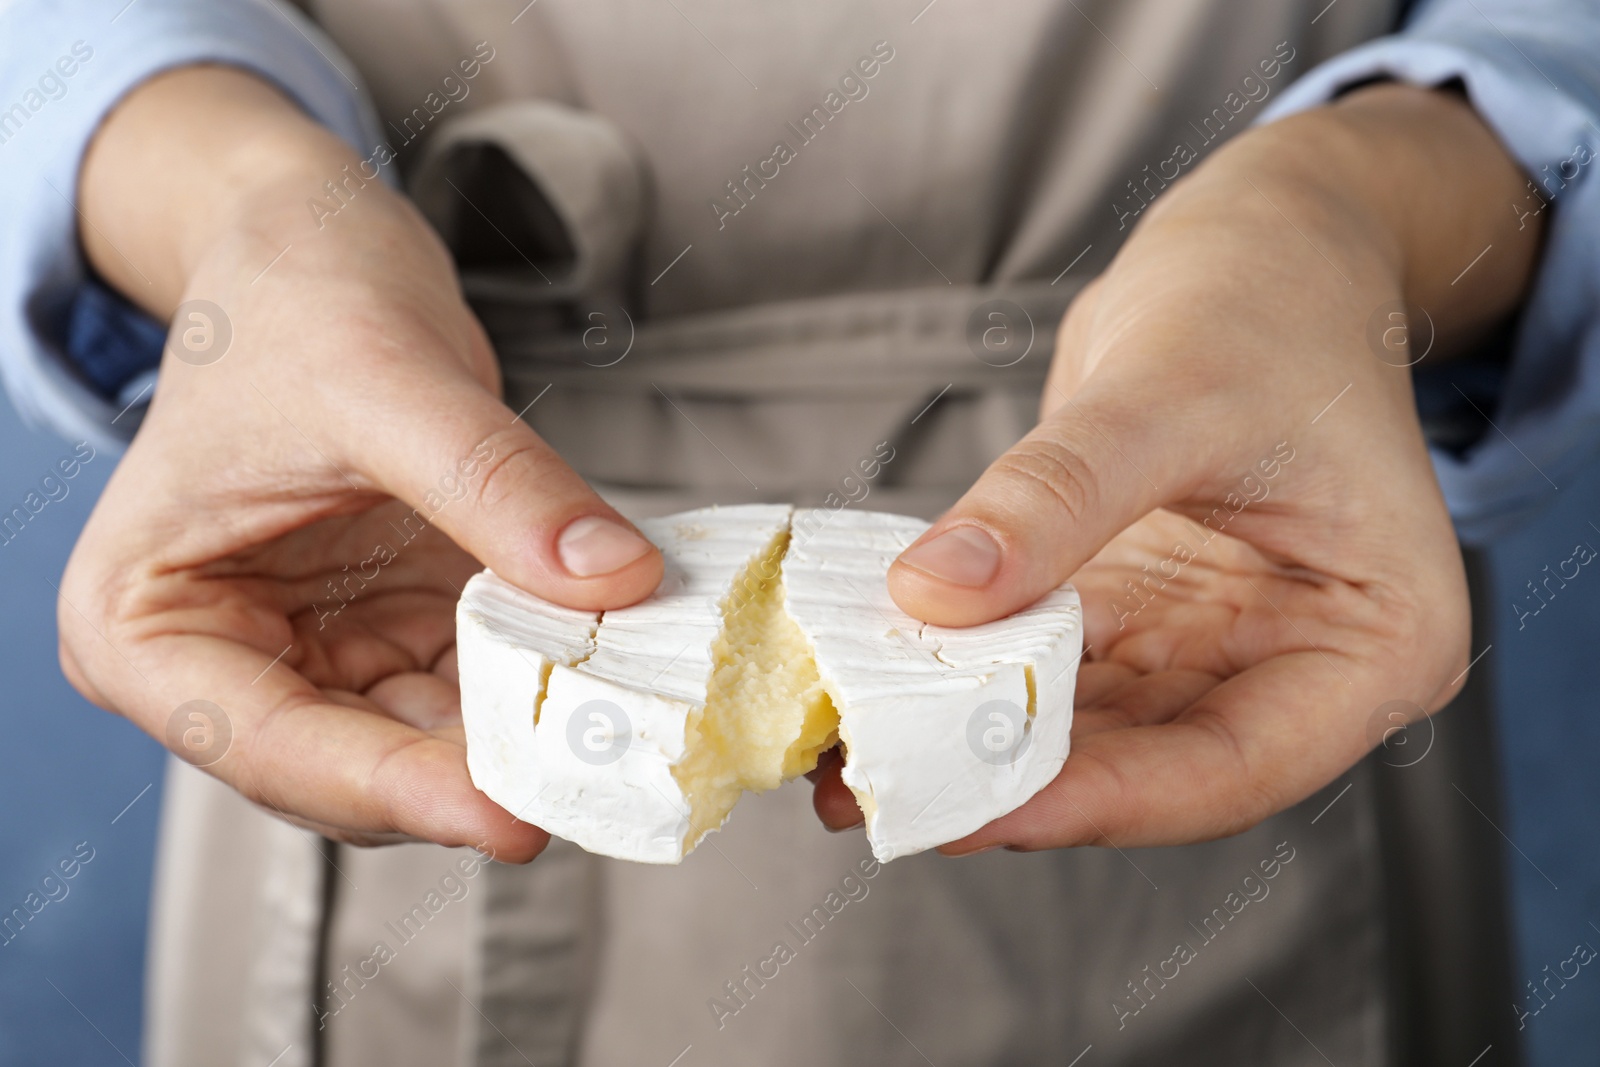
column 634, row 732
column 767, row 716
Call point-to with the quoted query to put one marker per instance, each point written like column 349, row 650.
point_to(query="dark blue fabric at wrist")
column 111, row 342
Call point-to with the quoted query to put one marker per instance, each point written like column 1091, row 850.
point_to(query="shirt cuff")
column 64, row 64
column 1532, row 75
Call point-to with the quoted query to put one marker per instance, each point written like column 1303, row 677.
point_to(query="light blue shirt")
column 63, row 65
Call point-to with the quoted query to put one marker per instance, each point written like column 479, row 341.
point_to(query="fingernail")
column 962, row 555
column 845, row 829
column 592, row 545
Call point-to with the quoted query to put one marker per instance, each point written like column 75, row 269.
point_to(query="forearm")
column 1390, row 187
column 189, row 157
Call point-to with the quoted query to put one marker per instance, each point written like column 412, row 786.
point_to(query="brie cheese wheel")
column 771, row 638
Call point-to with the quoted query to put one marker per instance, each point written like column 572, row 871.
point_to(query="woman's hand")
column 287, row 535
column 1235, row 481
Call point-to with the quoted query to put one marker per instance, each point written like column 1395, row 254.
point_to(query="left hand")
column 1239, row 489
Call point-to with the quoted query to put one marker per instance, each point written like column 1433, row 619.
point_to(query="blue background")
column 66, row 770
column 1548, row 673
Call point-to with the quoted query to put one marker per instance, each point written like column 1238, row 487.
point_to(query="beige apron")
column 761, row 331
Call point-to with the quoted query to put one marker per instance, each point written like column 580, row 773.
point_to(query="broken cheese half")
column 771, row 637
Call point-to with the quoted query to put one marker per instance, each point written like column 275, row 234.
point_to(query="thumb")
column 474, row 469
column 1042, row 510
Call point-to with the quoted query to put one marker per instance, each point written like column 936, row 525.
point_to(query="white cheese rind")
column 934, row 720
column 599, row 774
column 507, row 643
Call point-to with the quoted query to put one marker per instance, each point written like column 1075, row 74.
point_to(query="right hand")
column 1244, row 626
column 238, row 554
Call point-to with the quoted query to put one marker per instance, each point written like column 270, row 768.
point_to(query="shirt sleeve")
column 1531, row 68
column 63, row 65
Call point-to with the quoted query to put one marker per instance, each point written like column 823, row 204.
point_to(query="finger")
column 381, row 635
column 418, row 698
column 826, row 759
column 344, row 654
column 1255, row 744
column 466, row 463
column 348, row 698
column 1098, row 679
column 1041, row 510
column 1145, row 700
column 1069, row 367
column 447, row 666
column 339, row 833
column 297, row 752
column 834, row 803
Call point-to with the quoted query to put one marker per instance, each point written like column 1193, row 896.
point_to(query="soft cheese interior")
column 767, row 716
column 771, row 638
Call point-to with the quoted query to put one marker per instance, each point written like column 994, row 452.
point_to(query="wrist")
column 1265, row 234
column 262, row 191
column 1299, row 194
column 197, row 158
column 1414, row 178
column 317, row 200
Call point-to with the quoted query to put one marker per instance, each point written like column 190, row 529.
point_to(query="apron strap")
column 888, row 344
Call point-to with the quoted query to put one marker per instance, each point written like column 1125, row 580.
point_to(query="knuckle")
column 1425, row 635
column 252, row 789
column 87, row 607
column 1042, row 468
column 386, row 790
column 1456, row 668
column 517, row 460
column 1069, row 367
column 1250, row 797
column 1121, row 815
column 1080, row 311
column 73, row 673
